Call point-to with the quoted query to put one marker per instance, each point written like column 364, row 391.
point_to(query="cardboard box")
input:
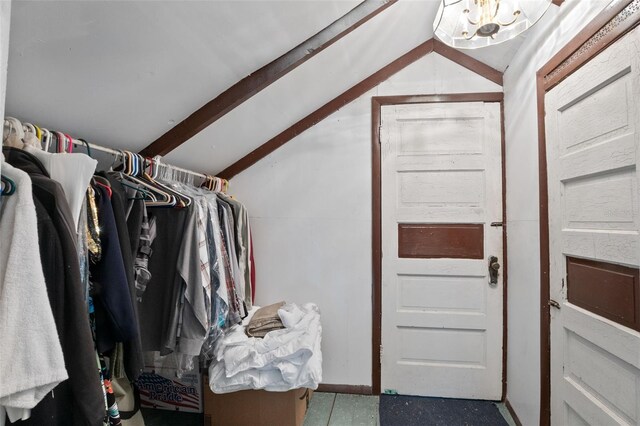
column 160, row 388
column 256, row 408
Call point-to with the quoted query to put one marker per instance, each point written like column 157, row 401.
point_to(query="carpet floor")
column 397, row 410
column 154, row 417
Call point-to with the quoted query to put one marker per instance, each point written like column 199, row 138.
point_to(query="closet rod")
column 117, row 153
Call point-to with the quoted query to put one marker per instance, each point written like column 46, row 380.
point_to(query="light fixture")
column 471, row 24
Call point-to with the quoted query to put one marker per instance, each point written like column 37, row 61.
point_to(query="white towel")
column 31, row 360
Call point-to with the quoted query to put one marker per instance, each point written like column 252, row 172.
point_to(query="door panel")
column 441, row 320
column 592, row 155
column 606, row 289
column 423, row 240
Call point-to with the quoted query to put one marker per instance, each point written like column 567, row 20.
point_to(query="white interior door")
column 441, row 191
column 592, row 153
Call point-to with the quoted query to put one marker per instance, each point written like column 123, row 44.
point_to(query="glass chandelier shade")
column 471, row 24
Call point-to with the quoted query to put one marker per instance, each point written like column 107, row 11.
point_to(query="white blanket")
column 284, row 359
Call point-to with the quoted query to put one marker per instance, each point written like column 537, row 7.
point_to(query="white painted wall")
column 310, row 206
column 5, row 22
column 521, row 127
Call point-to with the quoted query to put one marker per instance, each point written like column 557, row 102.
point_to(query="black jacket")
column 115, row 318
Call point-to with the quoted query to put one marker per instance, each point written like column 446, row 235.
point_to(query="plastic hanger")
column 184, row 200
column 46, row 139
column 156, row 169
column 31, row 136
column 130, row 168
column 10, row 183
column 69, row 140
column 134, row 164
column 102, row 184
column 102, row 180
column 164, row 199
column 86, row 144
column 180, row 198
column 206, row 183
column 144, row 193
column 149, row 167
column 115, row 159
column 61, row 140
column 29, row 128
column 15, row 135
column 7, row 132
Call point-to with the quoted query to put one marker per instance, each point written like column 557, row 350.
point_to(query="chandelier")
column 471, row 24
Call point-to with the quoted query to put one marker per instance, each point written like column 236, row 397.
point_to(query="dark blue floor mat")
column 154, row 417
column 398, row 410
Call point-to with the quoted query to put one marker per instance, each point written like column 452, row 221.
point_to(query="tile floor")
column 330, row 409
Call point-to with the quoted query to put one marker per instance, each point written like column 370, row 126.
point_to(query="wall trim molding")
column 512, row 412
column 350, row 389
column 355, row 92
column 263, row 77
column 377, row 102
column 598, row 34
column 617, row 19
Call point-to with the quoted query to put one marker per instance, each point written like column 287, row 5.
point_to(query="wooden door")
column 441, row 192
column 591, row 124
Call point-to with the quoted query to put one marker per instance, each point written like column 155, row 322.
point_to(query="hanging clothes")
column 132, row 349
column 227, row 223
column 31, row 358
column 252, row 266
column 242, row 243
column 72, row 171
column 115, row 318
column 162, row 292
column 78, row 400
column 193, row 322
column 123, row 271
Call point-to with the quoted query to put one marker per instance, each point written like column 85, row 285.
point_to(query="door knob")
column 494, row 267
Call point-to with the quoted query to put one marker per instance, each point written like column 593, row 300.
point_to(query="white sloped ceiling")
column 122, row 73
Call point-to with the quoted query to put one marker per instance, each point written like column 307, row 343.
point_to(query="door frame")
column 377, row 102
column 617, row 19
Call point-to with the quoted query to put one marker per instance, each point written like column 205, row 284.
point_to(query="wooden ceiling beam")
column 327, row 109
column 355, row 92
column 468, row 62
column 258, row 80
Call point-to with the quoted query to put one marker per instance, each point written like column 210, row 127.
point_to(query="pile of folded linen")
column 284, row 359
column 265, row 320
